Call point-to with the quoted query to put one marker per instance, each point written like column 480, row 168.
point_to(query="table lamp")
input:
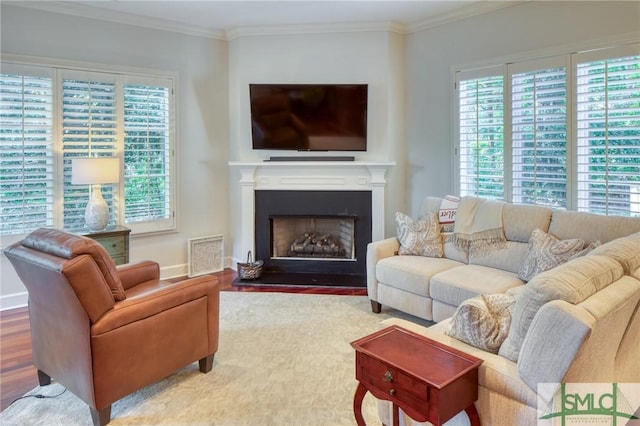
column 95, row 171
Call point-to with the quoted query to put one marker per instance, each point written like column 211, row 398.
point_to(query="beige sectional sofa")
column 576, row 323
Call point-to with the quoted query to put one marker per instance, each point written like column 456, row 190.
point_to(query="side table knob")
column 388, row 377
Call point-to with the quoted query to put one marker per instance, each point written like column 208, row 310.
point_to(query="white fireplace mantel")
column 311, row 176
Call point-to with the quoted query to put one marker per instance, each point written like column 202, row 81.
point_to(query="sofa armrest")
column 552, row 342
column 132, row 274
column 377, row 251
column 156, row 297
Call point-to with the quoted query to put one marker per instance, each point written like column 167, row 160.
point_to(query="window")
column 608, row 134
column 559, row 149
column 50, row 116
column 482, row 137
column 26, row 150
column 147, row 148
column 538, row 136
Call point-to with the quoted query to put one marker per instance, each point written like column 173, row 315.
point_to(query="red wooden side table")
column 426, row 379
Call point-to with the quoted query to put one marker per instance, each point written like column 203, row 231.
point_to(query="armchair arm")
column 154, row 297
column 132, row 274
column 376, row 251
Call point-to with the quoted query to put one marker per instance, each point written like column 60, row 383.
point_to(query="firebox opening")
column 306, row 204
column 313, row 237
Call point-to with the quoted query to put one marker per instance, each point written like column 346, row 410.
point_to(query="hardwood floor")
column 18, row 375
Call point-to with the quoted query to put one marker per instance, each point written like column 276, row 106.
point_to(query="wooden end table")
column 426, row 379
column 115, row 239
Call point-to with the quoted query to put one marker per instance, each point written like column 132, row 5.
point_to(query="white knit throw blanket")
column 478, row 226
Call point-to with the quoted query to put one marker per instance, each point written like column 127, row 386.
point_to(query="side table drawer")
column 392, row 382
column 119, row 260
column 115, row 246
column 114, row 239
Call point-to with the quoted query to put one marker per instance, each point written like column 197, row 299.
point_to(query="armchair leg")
column 43, row 378
column 101, row 417
column 376, row 307
column 206, row 363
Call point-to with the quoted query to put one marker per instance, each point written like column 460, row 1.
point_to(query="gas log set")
column 316, row 245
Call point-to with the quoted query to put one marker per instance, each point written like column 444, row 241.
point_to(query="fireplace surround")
column 342, row 179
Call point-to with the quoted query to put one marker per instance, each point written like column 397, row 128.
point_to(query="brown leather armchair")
column 104, row 332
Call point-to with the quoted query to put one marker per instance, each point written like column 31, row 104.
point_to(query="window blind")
column 481, row 136
column 539, row 133
column 26, row 150
column 88, row 130
column 608, row 134
column 148, row 151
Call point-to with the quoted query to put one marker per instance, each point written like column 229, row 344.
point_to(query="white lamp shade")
column 95, row 170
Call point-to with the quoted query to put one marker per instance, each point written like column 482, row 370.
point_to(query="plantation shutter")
column 26, row 149
column 148, row 162
column 481, row 133
column 608, row 131
column 89, row 129
column 539, row 134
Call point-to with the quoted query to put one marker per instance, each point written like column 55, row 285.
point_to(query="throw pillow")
column 587, row 249
column 483, row 321
column 545, row 252
column 447, row 212
column 420, row 237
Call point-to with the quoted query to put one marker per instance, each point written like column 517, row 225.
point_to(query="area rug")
column 283, row 359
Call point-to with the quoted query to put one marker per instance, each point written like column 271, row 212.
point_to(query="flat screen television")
column 309, row 117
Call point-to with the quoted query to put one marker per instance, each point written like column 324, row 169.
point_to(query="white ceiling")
column 219, row 18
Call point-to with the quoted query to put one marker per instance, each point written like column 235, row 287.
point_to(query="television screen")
column 309, row 117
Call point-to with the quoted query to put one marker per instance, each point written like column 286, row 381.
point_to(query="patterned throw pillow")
column 420, row 237
column 483, row 321
column 545, row 252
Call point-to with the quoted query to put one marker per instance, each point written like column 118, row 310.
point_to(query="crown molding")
column 478, row 8
column 92, row 12
column 353, row 27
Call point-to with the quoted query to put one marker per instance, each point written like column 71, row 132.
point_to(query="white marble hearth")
column 311, row 176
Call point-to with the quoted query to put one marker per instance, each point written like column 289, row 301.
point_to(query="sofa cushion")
column 412, row 273
column 419, row 237
column 572, row 282
column 507, row 258
column 454, row 286
column 545, row 252
column 429, row 204
column 520, row 220
column 453, row 250
column 483, row 321
column 625, row 250
column 592, row 227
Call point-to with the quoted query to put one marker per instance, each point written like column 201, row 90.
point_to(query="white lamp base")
column 96, row 215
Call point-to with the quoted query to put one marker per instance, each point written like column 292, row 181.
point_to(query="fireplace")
column 362, row 185
column 323, row 233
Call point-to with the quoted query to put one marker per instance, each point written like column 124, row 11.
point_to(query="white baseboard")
column 15, row 300
column 173, row 271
